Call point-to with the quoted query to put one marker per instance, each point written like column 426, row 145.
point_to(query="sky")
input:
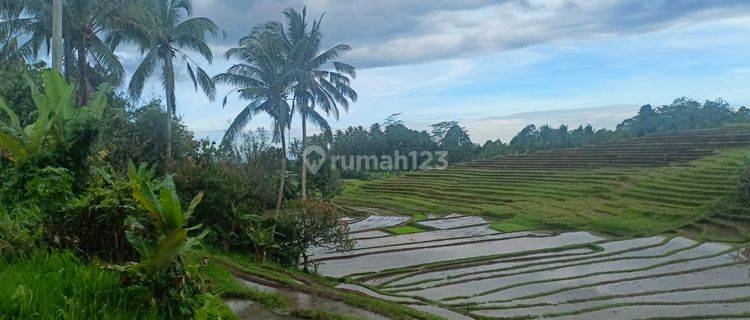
column 496, row 66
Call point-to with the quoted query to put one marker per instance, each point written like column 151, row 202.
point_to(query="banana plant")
column 167, row 218
column 56, row 123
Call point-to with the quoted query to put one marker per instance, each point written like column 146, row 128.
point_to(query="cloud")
column 505, row 128
column 396, row 32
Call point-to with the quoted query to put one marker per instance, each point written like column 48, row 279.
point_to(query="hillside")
column 640, row 186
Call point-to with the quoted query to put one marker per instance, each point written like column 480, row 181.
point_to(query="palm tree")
column 261, row 77
column 57, row 38
column 85, row 24
column 164, row 30
column 319, row 79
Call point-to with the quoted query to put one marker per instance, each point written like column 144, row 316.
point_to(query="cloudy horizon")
column 478, row 59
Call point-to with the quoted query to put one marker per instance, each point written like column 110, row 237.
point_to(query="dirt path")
column 295, row 300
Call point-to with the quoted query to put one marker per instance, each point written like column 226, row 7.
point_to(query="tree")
column 86, row 22
column 319, row 79
column 262, row 77
column 57, row 38
column 164, row 30
column 306, row 224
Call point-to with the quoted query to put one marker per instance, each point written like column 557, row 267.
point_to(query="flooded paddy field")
column 460, row 268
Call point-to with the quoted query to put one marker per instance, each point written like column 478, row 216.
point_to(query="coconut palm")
column 86, row 23
column 319, row 79
column 165, row 30
column 261, row 77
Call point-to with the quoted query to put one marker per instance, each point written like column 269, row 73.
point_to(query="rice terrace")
column 497, row 238
column 374, row 160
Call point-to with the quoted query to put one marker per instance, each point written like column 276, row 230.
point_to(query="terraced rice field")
column 463, row 269
column 638, row 187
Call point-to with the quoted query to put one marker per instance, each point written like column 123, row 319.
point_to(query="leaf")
column 197, row 200
column 139, row 244
column 14, row 121
column 12, row 148
column 170, row 202
column 192, row 75
column 168, row 248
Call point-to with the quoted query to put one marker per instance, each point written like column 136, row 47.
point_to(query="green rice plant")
column 56, row 285
column 404, row 230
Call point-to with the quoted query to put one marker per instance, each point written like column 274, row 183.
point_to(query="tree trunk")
column 304, row 169
column 57, row 35
column 305, row 262
column 68, row 59
column 169, row 88
column 83, row 82
column 283, row 172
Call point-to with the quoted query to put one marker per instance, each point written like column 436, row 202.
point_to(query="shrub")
column 307, row 223
column 59, row 127
column 19, row 235
column 162, row 243
column 92, row 222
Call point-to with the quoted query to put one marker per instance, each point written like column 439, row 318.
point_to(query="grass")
column 314, row 314
column 221, row 283
column 509, row 227
column 57, row 285
column 624, row 189
column 408, row 229
column 311, row 284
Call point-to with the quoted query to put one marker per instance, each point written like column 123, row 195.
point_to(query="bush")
column 307, row 223
column 28, row 190
column 162, row 242
column 92, row 222
column 19, row 235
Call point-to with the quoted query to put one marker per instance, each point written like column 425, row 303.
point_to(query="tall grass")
column 57, row 285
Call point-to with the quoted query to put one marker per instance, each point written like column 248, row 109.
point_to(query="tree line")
column 383, row 139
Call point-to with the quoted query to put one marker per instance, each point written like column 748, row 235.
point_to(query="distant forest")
column 392, row 134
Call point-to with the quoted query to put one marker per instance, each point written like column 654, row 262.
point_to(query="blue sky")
column 483, row 62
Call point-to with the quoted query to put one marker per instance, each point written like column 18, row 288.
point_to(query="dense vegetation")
column 392, row 135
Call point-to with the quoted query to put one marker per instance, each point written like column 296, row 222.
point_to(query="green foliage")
column 137, row 134
column 162, row 244
column 307, row 223
column 509, row 227
column 166, row 217
column 241, row 179
column 29, row 191
column 219, row 281
column 58, row 124
column 744, row 184
column 58, row 286
column 92, row 221
column 262, row 234
column 19, row 235
column 404, row 230
column 14, row 90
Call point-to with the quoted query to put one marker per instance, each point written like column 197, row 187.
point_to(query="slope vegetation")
column 640, row 186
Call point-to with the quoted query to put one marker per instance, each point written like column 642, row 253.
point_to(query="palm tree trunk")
column 169, row 88
column 83, row 85
column 57, row 35
column 283, row 172
column 68, row 59
column 302, row 159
